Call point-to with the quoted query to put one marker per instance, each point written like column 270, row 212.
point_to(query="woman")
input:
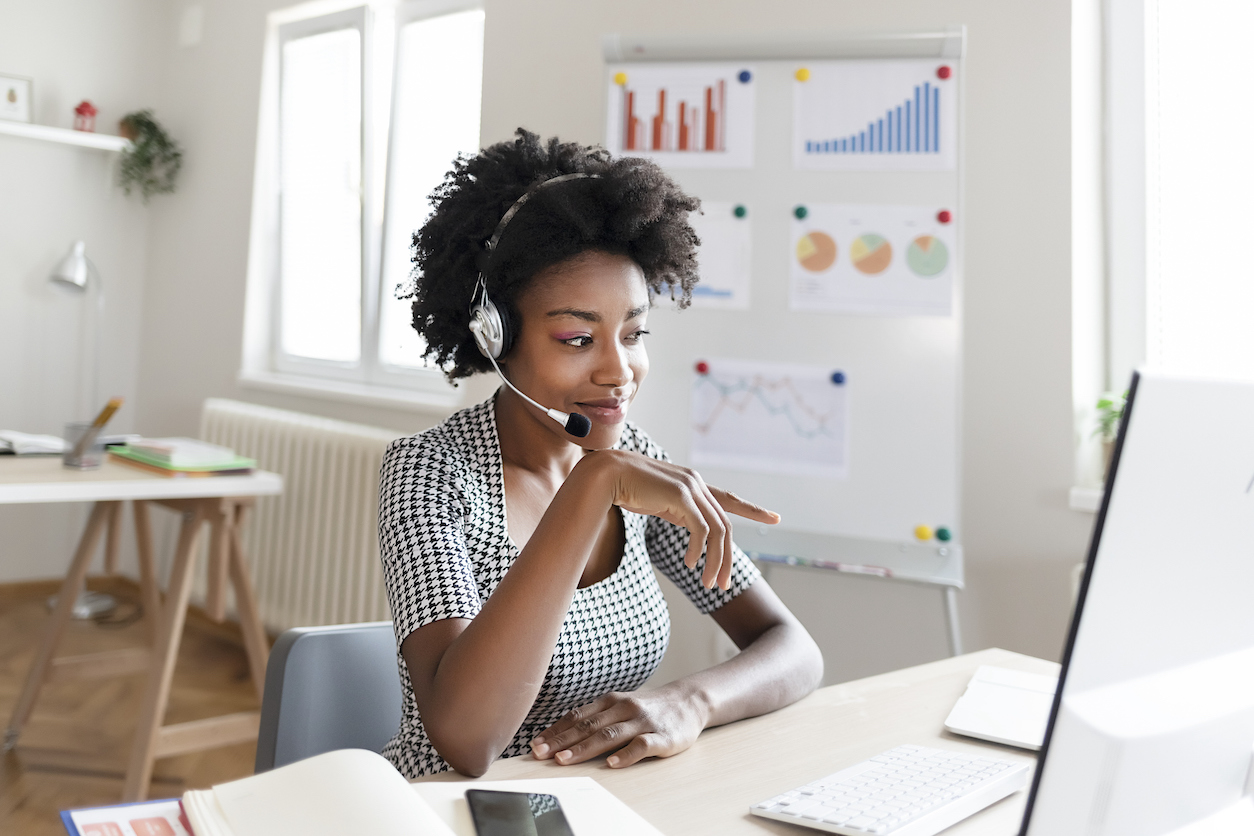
column 518, row 557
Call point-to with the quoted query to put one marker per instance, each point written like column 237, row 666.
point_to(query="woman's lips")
column 604, row 412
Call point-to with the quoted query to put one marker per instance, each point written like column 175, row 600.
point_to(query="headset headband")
column 518, row 204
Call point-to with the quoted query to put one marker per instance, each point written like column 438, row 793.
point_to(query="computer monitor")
column 1152, row 727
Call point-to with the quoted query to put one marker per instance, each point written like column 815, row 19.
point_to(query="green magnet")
column 943, row 535
column 800, row 212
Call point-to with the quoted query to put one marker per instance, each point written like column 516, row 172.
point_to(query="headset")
column 491, row 329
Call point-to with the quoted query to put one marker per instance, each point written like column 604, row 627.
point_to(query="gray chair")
column 329, row 688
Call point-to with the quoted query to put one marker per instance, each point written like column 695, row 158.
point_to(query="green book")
column 238, row 463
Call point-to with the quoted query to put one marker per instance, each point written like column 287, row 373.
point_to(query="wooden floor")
column 73, row 751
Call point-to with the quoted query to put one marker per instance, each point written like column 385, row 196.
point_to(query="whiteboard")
column 903, row 372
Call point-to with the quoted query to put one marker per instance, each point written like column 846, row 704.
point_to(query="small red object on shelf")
column 944, row 216
column 703, row 367
column 943, row 72
column 85, row 117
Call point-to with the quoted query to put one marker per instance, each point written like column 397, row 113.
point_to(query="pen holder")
column 89, row 456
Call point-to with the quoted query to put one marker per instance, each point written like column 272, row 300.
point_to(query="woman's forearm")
column 487, row 678
column 777, row 668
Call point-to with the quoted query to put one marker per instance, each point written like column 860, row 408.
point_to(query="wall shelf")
column 103, row 142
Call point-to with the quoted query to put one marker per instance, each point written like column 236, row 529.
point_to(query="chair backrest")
column 329, row 688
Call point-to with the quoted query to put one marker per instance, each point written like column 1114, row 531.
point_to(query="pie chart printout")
column 816, row 251
column 871, row 253
column 927, row 256
column 872, row 259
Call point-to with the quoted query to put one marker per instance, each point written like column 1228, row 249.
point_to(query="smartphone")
column 517, row 814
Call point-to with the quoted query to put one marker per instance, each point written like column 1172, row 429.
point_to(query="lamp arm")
column 97, row 327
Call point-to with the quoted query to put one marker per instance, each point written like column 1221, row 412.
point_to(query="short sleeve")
column 422, row 537
column 667, row 544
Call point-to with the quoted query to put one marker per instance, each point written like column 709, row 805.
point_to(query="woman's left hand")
column 633, row 725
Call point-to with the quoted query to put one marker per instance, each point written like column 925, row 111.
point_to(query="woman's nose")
column 614, row 369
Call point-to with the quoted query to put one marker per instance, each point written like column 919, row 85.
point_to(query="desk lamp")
column 71, row 273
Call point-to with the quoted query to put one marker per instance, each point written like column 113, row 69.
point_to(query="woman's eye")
column 637, row 336
column 580, row 341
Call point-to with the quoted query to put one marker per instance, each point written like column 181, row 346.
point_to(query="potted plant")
column 1109, row 414
column 152, row 162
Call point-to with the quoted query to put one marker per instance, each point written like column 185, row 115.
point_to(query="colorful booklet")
column 139, row 818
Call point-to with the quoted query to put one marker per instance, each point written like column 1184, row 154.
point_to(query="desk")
column 221, row 502
column 709, row 788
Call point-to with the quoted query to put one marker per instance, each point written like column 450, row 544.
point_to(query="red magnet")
column 703, row 367
column 943, row 71
column 944, row 216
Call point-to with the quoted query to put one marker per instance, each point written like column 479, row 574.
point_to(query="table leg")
column 219, row 543
column 112, row 539
column 150, row 592
column 951, row 620
column 255, row 643
column 73, row 584
column 160, row 676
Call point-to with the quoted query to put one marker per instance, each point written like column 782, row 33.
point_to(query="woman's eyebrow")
column 593, row 316
column 587, row 316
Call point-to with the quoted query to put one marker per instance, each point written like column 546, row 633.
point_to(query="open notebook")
column 353, row 791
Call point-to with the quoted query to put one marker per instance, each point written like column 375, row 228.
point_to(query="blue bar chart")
column 912, row 127
column 875, row 115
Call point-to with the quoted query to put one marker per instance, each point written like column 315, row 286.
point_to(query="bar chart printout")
column 682, row 115
column 784, row 418
column 700, row 128
column 876, row 115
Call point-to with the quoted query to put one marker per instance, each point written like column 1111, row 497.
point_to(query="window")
column 1181, row 283
column 363, row 112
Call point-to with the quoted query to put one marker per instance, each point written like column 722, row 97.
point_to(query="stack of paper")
column 355, row 791
column 183, row 452
column 26, row 444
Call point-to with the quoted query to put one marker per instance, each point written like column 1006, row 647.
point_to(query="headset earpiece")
column 489, row 327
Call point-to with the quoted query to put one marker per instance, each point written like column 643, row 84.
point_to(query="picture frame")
column 15, row 98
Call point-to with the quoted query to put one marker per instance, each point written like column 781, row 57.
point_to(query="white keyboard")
column 907, row 791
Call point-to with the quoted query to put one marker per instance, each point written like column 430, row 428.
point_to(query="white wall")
column 543, row 71
column 51, row 195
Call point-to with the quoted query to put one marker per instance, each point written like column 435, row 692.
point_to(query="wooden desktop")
column 709, row 788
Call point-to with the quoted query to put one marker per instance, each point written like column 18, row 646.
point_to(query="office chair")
column 329, row 688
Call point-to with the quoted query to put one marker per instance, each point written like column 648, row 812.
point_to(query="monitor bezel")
column 1081, row 597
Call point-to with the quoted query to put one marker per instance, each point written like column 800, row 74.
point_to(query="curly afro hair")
column 630, row 208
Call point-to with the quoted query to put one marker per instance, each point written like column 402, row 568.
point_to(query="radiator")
column 313, row 550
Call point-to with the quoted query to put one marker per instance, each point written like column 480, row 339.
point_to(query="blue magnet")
column 745, row 76
column 838, row 378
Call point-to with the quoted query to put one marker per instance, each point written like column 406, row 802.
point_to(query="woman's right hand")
column 680, row 496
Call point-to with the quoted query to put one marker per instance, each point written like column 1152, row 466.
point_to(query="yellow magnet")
column 923, row 532
column 802, row 74
column 620, row 79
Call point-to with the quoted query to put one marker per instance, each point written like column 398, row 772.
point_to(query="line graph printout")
column 689, row 115
column 898, row 115
column 892, row 260
column 770, row 418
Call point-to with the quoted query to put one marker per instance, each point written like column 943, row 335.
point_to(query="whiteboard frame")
column 796, row 547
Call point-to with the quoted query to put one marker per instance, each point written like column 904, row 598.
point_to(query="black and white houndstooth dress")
column 445, row 547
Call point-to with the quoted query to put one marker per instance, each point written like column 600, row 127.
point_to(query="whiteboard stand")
column 933, row 564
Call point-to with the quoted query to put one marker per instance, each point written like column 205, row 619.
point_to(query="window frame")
column 265, row 365
column 356, row 18
column 406, row 13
